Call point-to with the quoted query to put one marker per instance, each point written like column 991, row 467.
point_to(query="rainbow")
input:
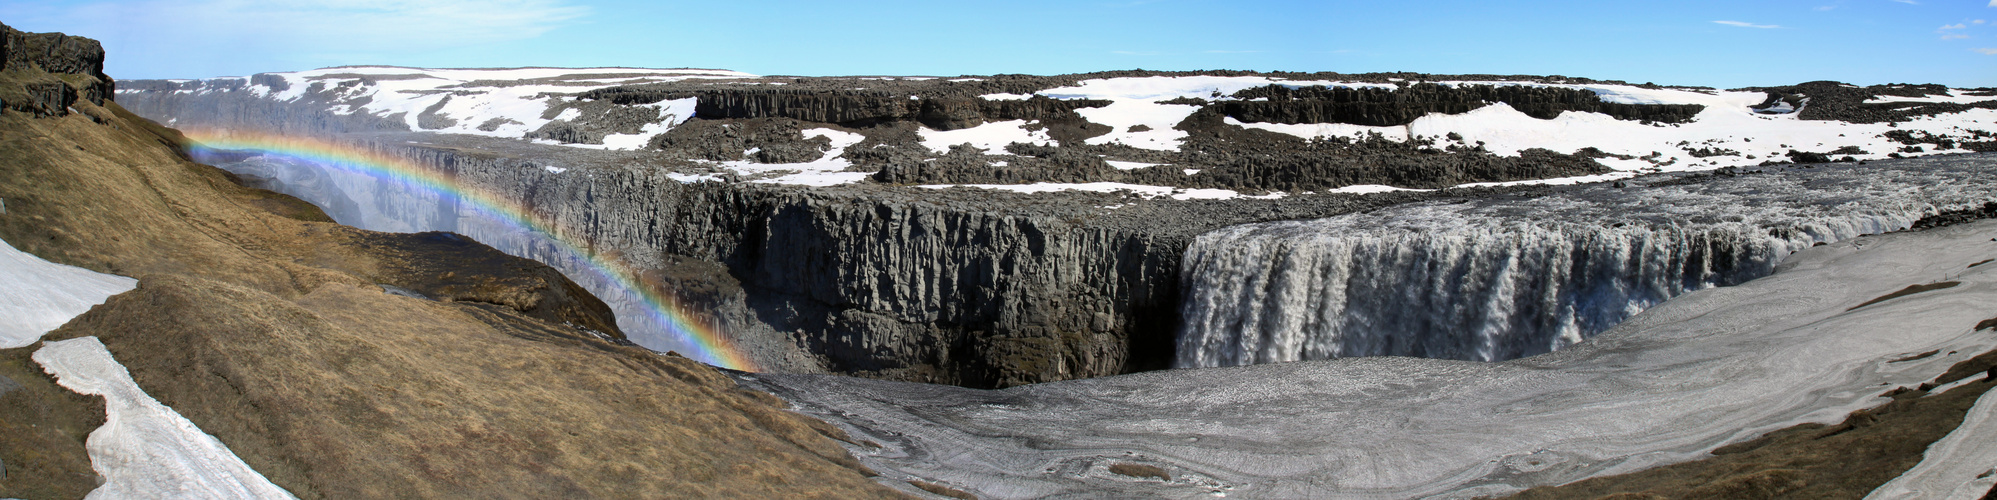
column 710, row 345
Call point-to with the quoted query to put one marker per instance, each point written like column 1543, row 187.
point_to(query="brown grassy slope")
column 268, row 332
column 1810, row 461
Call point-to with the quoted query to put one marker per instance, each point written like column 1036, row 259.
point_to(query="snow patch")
column 37, row 295
column 991, row 137
column 828, row 170
column 1112, row 187
column 1130, row 165
column 145, row 449
column 1953, row 96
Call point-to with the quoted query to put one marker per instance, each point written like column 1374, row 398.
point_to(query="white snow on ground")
column 672, row 113
column 1135, row 101
column 1726, row 123
column 479, row 95
column 1953, row 96
column 1125, row 114
column 1962, row 465
column 1112, row 187
column 1130, row 165
column 1709, row 368
column 991, row 137
column 1371, row 188
column 826, row 171
column 145, row 449
column 37, row 295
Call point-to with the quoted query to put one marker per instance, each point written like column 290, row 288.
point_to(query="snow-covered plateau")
column 1131, row 121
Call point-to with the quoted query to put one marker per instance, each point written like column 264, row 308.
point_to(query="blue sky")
column 1713, row 43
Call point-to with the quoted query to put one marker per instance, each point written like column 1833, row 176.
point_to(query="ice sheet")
column 37, row 295
column 145, row 449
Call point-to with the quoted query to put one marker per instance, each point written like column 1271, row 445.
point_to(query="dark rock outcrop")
column 1379, row 107
column 772, row 140
column 60, row 54
column 1828, row 100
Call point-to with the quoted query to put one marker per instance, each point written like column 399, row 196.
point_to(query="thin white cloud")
column 1948, row 31
column 1911, row 2
column 1740, row 24
column 1986, row 51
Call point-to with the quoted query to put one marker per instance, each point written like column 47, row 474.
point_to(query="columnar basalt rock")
column 60, row 54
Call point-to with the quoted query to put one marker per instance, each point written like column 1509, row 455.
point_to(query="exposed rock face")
column 1381, row 107
column 945, row 286
column 864, row 108
column 58, row 53
column 773, row 140
column 1827, row 100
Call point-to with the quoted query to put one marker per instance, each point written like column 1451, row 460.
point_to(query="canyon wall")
column 939, row 286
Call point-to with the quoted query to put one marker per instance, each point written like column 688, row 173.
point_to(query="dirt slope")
column 267, row 327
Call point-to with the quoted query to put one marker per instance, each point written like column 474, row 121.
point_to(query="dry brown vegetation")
column 264, row 325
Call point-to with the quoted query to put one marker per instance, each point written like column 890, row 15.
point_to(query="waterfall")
column 1499, row 279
